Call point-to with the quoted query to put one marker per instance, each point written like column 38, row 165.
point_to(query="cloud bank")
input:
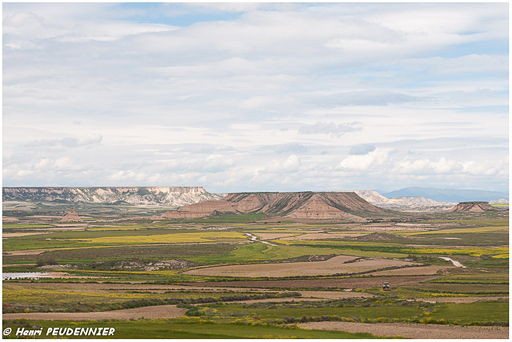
column 256, row 97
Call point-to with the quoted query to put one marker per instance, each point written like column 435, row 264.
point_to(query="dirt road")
column 417, row 331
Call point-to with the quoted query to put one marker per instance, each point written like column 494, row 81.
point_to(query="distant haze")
column 449, row 195
column 256, row 96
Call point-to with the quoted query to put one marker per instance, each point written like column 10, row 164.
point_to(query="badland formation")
column 169, row 195
column 298, row 205
column 71, row 217
column 478, row 207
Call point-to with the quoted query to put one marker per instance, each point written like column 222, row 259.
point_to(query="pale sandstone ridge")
column 150, row 195
column 346, row 206
column 477, row 207
column 409, row 203
column 71, row 217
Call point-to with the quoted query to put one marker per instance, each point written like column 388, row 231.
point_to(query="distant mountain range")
column 448, row 195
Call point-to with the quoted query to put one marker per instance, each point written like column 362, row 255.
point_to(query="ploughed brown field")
column 344, row 283
column 320, row 236
column 414, row 330
column 332, row 266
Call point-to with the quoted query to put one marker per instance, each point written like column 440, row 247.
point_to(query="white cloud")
column 66, row 164
column 128, row 176
column 230, row 6
column 366, row 162
column 261, row 79
column 447, row 166
column 43, row 164
column 290, row 164
column 84, row 140
column 330, row 128
column 362, row 149
column 216, row 163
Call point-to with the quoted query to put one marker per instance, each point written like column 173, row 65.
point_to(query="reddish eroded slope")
column 478, row 207
column 317, row 208
column 201, row 209
column 306, row 205
column 71, row 217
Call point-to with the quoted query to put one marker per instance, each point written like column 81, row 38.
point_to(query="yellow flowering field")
column 167, row 238
column 457, row 231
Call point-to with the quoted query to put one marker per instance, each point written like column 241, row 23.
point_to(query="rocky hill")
column 173, row 196
column 71, row 217
column 405, row 203
column 299, row 205
column 476, row 207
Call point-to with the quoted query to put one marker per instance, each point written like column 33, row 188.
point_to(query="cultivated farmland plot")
column 254, row 276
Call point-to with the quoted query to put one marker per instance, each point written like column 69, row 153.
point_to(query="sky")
column 256, row 96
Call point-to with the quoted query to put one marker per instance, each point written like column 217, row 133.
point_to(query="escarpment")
column 478, row 207
column 298, row 205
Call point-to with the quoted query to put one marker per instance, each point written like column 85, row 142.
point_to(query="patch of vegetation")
column 102, row 238
column 247, row 218
column 159, row 252
column 18, row 297
column 479, row 313
column 191, row 328
column 352, row 307
column 369, row 310
column 400, row 249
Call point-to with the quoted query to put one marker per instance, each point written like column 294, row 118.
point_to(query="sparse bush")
column 44, row 262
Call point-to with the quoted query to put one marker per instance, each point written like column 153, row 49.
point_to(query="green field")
column 118, row 265
column 188, row 329
column 20, row 297
column 368, row 310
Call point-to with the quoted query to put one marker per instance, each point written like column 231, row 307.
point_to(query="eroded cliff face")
column 201, row 209
column 316, row 208
column 475, row 207
column 175, row 196
column 299, row 205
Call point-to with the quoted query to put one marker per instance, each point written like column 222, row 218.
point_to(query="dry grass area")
column 9, row 219
column 322, row 236
column 154, row 288
column 385, row 227
column 27, row 252
column 10, row 235
column 157, row 288
column 374, row 263
column 425, row 270
column 272, row 236
column 65, row 275
column 332, row 266
column 307, row 295
column 149, row 312
column 459, row 300
column 342, row 283
column 416, row 331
